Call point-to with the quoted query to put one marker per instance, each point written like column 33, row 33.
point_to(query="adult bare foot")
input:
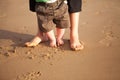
column 76, row 46
column 36, row 40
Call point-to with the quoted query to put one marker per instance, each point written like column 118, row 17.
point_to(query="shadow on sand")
column 19, row 39
column 16, row 38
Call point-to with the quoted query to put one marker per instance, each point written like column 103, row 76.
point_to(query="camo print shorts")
column 50, row 15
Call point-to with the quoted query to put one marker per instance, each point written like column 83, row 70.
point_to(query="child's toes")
column 60, row 42
column 53, row 44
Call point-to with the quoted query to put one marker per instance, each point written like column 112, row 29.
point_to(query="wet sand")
column 98, row 28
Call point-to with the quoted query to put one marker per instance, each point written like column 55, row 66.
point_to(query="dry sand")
column 99, row 28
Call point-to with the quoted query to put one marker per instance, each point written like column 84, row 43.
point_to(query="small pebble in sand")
column 14, row 51
column 7, row 54
column 38, row 73
column 28, row 53
column 48, row 55
column 31, row 57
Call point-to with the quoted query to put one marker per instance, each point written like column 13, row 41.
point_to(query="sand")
column 98, row 29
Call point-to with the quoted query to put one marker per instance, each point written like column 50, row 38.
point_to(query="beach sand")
column 99, row 29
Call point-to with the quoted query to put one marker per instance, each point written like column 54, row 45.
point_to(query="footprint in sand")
column 108, row 36
column 7, row 51
column 29, row 76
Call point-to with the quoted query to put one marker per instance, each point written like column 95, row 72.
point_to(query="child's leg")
column 37, row 39
column 52, row 38
column 60, row 33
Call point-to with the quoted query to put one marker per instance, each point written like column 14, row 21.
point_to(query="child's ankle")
column 53, row 43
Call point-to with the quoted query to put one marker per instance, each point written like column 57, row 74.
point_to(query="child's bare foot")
column 60, row 42
column 76, row 46
column 53, row 43
column 36, row 40
column 52, row 38
column 60, row 33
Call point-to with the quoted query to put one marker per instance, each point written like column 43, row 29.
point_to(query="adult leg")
column 75, row 44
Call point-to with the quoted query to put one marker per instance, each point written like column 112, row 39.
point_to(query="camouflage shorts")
column 50, row 15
